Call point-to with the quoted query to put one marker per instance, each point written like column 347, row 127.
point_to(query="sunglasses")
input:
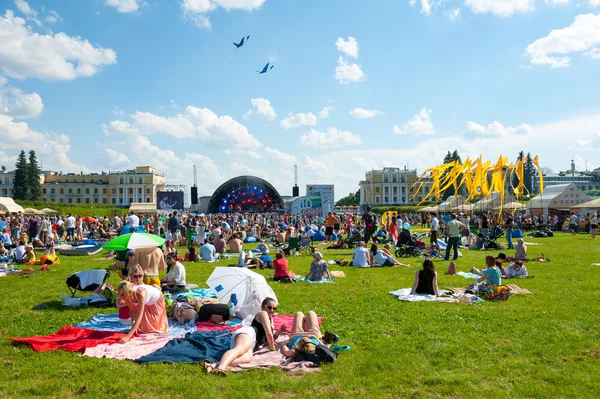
column 273, row 308
column 137, row 276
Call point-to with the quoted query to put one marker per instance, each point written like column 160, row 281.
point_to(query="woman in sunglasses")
column 248, row 338
column 151, row 313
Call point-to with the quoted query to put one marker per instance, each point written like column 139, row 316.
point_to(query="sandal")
column 219, row 372
column 208, row 368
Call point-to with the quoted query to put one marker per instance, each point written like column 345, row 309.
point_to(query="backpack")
column 183, row 312
column 322, row 354
column 370, row 221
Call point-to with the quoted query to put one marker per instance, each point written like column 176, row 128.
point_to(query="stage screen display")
column 169, row 201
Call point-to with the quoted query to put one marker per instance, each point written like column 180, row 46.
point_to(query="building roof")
column 142, row 207
column 559, row 197
column 8, row 205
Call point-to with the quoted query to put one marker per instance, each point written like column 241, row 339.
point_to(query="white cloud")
column 18, row 135
column 263, row 108
column 24, row 7
column 454, row 14
column 118, row 111
column 196, row 10
column 593, row 53
column 425, row 6
column 502, row 8
column 558, row 2
column 497, row 129
column 278, row 156
column 361, row 113
column 347, row 73
column 25, row 54
column 324, row 113
column 350, row 47
column 582, row 35
column 53, row 17
column 114, row 158
column 19, row 105
column 331, row 138
column 194, row 123
column 173, row 104
column 420, row 124
column 297, row 120
column 594, row 3
column 123, row 6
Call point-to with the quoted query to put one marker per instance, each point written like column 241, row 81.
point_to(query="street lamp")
column 572, row 171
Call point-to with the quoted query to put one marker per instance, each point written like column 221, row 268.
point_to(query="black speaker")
column 194, row 195
column 295, row 191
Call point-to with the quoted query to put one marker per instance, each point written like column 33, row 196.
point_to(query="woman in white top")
column 382, row 257
column 201, row 229
column 360, row 256
column 594, row 225
column 151, row 313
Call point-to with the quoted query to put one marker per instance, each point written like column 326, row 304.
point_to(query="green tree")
column 451, row 157
column 32, row 178
column 20, row 188
column 352, row 199
column 529, row 173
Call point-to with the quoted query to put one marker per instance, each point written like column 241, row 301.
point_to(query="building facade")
column 585, row 181
column 390, row 186
column 119, row 188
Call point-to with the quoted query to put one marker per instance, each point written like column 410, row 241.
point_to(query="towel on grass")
column 322, row 281
column 196, row 347
column 265, row 359
column 72, row 339
column 287, row 319
column 200, row 293
column 468, row 275
column 110, row 322
column 230, row 325
column 138, row 346
column 404, row 295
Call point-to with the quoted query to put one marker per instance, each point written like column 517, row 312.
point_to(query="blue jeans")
column 509, row 239
column 452, row 243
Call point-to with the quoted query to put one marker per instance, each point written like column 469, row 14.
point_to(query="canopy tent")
column 31, row 211
column 8, row 205
column 451, row 202
column 593, row 205
column 143, row 207
column 428, row 209
column 462, row 208
column 512, row 206
column 562, row 196
column 48, row 211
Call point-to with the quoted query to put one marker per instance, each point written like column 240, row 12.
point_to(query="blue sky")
column 110, row 84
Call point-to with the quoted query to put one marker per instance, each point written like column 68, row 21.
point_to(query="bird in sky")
column 266, row 69
column 241, row 43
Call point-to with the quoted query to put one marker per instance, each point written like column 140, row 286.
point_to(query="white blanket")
column 404, row 295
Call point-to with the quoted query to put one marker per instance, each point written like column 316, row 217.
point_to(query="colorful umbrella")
column 89, row 219
column 134, row 241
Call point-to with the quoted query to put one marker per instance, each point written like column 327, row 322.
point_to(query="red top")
column 281, row 267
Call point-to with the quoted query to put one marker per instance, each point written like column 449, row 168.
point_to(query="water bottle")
column 233, row 301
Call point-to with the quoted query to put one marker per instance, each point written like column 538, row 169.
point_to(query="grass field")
column 542, row 345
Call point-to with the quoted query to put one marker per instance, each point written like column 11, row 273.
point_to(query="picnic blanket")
column 110, row 322
column 72, row 339
column 514, row 289
column 404, row 295
column 265, row 359
column 137, row 347
column 468, row 275
column 196, row 347
column 322, row 281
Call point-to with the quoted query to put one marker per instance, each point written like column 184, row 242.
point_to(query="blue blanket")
column 193, row 348
column 322, row 281
column 468, row 275
column 110, row 322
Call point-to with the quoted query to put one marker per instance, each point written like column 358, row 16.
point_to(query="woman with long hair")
column 426, row 280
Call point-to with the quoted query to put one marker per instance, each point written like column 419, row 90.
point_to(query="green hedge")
column 76, row 209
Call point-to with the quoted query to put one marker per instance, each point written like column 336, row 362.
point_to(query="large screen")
column 169, row 201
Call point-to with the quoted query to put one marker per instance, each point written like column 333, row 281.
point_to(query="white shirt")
column 177, row 273
column 70, row 222
column 380, row 258
column 133, row 221
column 152, row 293
column 19, row 252
column 435, row 224
column 361, row 257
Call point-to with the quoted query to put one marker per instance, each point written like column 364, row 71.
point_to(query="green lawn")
column 542, row 345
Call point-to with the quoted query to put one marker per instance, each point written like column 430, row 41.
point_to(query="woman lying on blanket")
column 340, row 244
column 426, row 280
column 306, row 335
column 382, row 257
column 248, row 338
column 150, row 315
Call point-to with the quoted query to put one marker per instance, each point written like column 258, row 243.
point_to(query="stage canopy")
column 245, row 194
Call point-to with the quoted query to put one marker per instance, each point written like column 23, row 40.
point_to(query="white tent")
column 8, row 205
column 143, row 207
column 562, row 196
column 593, row 205
column 451, row 203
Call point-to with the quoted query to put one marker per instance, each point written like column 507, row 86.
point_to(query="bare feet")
column 208, row 368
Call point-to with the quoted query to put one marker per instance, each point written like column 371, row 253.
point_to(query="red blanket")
column 72, row 339
column 208, row 326
column 286, row 319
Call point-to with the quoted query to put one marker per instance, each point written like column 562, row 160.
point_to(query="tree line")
column 26, row 182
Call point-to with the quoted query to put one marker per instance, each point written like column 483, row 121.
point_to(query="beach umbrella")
column 89, row 219
column 240, row 281
column 31, row 211
column 49, row 211
column 134, row 241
